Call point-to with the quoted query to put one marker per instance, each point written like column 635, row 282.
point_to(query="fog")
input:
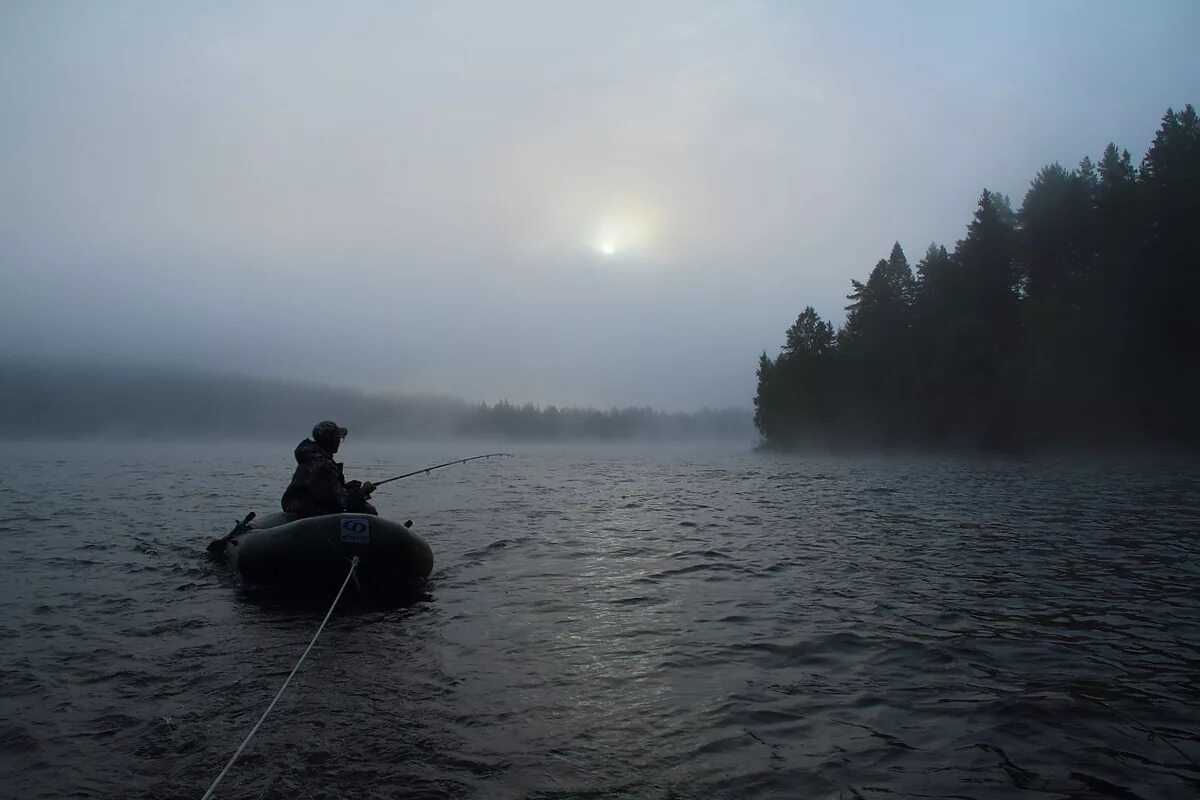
column 89, row 401
column 579, row 204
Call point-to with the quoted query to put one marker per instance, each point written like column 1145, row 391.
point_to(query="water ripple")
column 614, row 622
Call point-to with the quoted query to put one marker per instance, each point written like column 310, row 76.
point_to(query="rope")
column 1153, row 734
column 254, row 730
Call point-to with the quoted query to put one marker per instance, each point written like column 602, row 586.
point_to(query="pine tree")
column 878, row 352
column 1170, row 314
column 1118, row 296
column 983, row 340
column 1057, row 259
column 793, row 401
column 938, row 295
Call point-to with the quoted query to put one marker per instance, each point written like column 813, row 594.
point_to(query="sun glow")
column 624, row 234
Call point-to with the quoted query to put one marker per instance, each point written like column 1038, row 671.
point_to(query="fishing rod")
column 428, row 470
column 216, row 545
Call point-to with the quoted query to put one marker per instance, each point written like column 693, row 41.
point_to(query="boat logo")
column 356, row 530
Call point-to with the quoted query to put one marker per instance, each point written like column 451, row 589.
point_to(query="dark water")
column 613, row 623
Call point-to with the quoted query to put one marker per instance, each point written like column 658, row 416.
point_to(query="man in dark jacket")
column 318, row 485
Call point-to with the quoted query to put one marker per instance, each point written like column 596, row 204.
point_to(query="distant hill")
column 88, row 401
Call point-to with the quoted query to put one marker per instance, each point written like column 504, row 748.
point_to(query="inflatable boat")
column 283, row 551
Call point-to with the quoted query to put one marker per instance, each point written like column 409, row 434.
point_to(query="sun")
column 611, row 241
column 622, row 234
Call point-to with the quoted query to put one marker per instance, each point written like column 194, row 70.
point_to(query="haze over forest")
column 601, row 205
column 75, row 401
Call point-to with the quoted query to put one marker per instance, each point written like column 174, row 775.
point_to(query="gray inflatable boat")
column 281, row 550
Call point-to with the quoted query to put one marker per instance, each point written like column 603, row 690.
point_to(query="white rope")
column 279, row 694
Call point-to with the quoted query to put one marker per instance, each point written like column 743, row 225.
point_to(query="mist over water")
column 612, row 621
column 80, row 401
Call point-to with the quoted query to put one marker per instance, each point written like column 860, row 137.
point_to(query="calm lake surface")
column 669, row 622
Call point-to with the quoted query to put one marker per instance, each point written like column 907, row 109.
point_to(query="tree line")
column 74, row 401
column 1074, row 320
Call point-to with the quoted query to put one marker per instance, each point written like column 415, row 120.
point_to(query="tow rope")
column 254, row 730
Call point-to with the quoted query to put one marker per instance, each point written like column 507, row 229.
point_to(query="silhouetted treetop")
column 1074, row 320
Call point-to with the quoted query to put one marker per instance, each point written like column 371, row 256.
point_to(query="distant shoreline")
column 79, row 402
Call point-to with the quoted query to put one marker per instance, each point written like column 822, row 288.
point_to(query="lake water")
column 670, row 622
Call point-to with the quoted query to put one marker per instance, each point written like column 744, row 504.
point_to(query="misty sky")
column 572, row 203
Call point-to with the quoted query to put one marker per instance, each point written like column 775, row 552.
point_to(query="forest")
column 118, row 401
column 1071, row 321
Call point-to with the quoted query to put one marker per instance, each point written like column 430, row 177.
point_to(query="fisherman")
column 318, row 485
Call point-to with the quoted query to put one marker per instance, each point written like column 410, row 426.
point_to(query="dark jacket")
column 318, row 485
